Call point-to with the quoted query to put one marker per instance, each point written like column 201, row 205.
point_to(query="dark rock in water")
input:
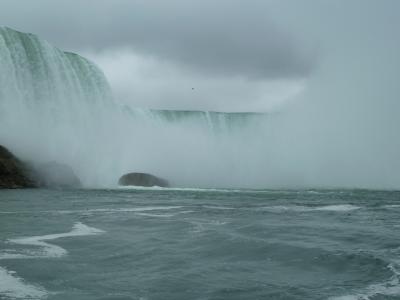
column 13, row 172
column 54, row 174
column 142, row 179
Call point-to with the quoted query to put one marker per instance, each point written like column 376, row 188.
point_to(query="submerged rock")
column 13, row 172
column 54, row 174
column 142, row 179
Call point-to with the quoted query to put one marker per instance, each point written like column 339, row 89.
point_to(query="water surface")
column 199, row 244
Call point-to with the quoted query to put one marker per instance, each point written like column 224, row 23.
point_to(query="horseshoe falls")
column 57, row 106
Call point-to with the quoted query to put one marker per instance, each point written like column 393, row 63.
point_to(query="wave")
column 219, row 207
column 156, row 215
column 387, row 288
column 14, row 287
column 300, row 208
column 339, row 207
column 133, row 209
column 233, row 190
column 200, row 225
column 391, row 206
column 390, row 287
column 158, row 188
column 191, row 189
column 50, row 250
column 98, row 210
column 167, row 215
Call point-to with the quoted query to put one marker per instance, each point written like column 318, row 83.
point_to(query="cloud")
column 224, row 37
column 146, row 82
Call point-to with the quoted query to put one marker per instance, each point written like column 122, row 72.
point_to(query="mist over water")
column 58, row 106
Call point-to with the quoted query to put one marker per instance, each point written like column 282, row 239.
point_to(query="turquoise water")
column 199, row 244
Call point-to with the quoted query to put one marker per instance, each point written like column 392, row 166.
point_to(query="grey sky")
column 238, row 54
column 226, row 36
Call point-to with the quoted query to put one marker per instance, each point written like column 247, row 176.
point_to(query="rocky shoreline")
column 17, row 174
column 14, row 173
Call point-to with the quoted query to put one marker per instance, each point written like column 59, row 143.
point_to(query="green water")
column 199, row 244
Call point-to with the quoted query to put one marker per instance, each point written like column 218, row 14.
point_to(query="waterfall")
column 36, row 75
column 58, row 106
column 214, row 122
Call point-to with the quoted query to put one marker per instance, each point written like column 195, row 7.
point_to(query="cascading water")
column 58, row 106
column 215, row 122
column 51, row 102
column 38, row 76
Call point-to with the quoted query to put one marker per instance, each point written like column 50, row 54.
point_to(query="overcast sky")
column 229, row 55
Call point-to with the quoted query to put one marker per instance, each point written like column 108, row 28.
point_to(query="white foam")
column 99, row 210
column 202, row 225
column 387, row 288
column 392, row 206
column 8, row 254
column 384, row 289
column 339, row 207
column 349, row 297
column 164, row 215
column 14, row 287
column 133, row 209
column 50, row 250
column 156, row 215
column 218, row 207
column 158, row 188
column 299, row 208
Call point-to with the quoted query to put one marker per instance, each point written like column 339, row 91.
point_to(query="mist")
column 328, row 92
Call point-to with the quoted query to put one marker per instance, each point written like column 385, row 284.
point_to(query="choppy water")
column 199, row 244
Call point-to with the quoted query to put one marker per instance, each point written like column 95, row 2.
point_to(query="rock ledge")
column 14, row 174
column 142, row 179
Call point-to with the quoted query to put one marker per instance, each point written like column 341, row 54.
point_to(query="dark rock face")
column 56, row 175
column 17, row 174
column 142, row 179
column 13, row 172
